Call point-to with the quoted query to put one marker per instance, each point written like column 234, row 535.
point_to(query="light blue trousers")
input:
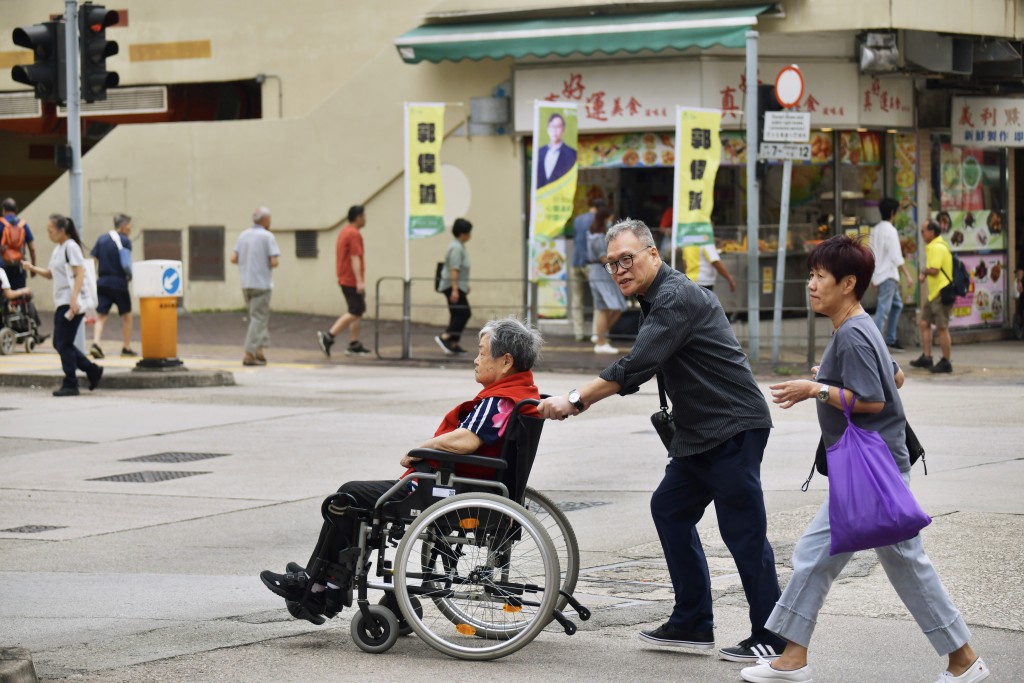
column 890, row 305
column 909, row 570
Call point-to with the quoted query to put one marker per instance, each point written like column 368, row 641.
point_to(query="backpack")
column 958, row 284
column 13, row 241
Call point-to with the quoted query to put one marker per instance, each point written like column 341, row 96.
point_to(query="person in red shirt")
column 351, row 269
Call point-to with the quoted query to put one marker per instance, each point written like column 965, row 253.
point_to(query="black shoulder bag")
column 662, row 420
column 914, row 447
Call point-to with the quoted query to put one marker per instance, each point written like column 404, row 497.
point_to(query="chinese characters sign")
column 988, row 122
column 698, row 154
column 424, row 198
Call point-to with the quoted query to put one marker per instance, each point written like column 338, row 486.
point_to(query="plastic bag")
column 869, row 504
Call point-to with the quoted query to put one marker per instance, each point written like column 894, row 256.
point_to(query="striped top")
column 686, row 335
column 488, row 417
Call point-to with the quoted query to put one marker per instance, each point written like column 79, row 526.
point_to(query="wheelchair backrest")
column 522, row 438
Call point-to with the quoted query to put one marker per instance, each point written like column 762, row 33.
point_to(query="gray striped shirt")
column 687, row 336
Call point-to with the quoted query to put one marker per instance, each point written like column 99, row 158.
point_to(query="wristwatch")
column 823, row 393
column 576, row 401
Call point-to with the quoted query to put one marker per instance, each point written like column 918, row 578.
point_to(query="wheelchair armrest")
column 458, row 458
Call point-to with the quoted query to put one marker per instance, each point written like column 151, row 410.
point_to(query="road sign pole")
column 780, row 264
column 74, row 130
column 753, row 205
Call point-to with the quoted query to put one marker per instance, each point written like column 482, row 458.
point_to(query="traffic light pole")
column 74, row 129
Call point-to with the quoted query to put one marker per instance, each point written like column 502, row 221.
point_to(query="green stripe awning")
column 584, row 35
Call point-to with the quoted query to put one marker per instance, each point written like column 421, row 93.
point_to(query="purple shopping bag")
column 869, row 504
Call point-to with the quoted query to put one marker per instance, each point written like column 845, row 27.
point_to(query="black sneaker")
column 459, row 351
column 128, row 353
column 95, row 377
column 670, row 636
column 895, row 346
column 290, row 586
column 448, row 350
column 923, row 361
column 325, row 341
column 942, row 366
column 357, row 349
column 96, row 351
column 66, row 391
column 749, row 650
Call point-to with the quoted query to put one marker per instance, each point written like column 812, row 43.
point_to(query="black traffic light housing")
column 47, row 74
column 93, row 21
column 765, row 102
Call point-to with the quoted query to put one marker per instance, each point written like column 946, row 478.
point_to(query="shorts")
column 936, row 313
column 356, row 301
column 108, row 297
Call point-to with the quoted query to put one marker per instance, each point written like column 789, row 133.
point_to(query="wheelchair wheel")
column 489, row 569
column 376, row 634
column 30, row 345
column 553, row 521
column 391, row 602
column 8, row 340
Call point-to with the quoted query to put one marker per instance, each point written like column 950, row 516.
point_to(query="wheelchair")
column 18, row 326
column 467, row 564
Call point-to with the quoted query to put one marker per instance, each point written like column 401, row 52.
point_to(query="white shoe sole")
column 682, row 644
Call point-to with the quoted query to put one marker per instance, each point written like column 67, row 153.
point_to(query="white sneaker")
column 764, row 673
column 605, row 348
column 593, row 339
column 978, row 672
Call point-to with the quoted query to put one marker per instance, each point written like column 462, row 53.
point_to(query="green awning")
column 584, row 35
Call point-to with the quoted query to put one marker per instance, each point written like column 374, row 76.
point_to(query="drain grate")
column 575, row 505
column 147, row 477
column 175, row 456
column 30, row 529
column 3, row 408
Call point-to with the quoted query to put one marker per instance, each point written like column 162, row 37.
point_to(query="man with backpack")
column 937, row 275
column 15, row 237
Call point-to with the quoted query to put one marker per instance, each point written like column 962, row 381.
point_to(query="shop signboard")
column 988, row 121
column 787, row 126
column 698, row 155
column 553, row 175
column 424, row 195
column 984, row 303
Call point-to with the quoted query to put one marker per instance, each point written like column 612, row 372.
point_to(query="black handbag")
column 663, row 422
column 914, row 447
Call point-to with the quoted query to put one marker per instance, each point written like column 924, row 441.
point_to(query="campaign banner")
column 424, row 196
column 698, row 155
column 555, row 168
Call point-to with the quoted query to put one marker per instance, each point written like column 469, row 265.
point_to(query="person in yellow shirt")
column 936, row 275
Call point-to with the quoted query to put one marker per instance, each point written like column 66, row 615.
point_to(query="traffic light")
column 93, row 21
column 47, row 74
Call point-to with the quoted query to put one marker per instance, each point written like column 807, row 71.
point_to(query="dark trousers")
column 342, row 533
column 15, row 275
column 64, row 332
column 730, row 476
column 458, row 315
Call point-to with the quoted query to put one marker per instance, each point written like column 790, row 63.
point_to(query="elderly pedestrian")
column 256, row 255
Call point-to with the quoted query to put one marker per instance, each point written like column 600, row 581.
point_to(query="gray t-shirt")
column 64, row 256
column 457, row 257
column 255, row 247
column 856, row 359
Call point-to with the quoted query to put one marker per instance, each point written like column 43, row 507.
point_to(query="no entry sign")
column 789, row 86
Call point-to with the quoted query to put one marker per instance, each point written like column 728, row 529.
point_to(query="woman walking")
column 70, row 299
column 856, row 363
column 455, row 287
column 609, row 303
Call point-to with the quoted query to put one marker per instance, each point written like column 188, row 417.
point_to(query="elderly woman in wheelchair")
column 484, row 563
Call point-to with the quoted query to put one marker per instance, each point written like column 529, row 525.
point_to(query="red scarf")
column 515, row 387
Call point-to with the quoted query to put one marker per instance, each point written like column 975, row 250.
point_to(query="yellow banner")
column 555, row 168
column 698, row 155
column 424, row 196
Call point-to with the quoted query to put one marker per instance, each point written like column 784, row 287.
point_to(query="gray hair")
column 518, row 339
column 121, row 220
column 637, row 227
column 259, row 214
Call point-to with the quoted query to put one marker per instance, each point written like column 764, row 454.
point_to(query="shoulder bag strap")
column 116, row 239
column 661, row 392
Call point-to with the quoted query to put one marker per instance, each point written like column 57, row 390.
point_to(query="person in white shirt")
column 885, row 244
column 703, row 264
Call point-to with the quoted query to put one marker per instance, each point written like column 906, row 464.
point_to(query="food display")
column 550, row 262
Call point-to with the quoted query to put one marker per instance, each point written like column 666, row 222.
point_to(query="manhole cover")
column 30, row 529
column 146, row 477
column 175, row 456
column 574, row 505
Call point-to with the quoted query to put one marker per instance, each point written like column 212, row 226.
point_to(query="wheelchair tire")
column 8, row 340
column 489, row 570
column 377, row 634
column 30, row 345
column 391, row 602
column 562, row 537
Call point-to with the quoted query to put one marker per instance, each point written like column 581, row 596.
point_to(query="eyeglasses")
column 626, row 262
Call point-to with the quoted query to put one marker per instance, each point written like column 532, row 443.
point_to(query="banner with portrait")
column 424, row 196
column 698, row 155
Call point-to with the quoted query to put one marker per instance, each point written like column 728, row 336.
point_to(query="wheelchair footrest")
column 567, row 625
column 582, row 611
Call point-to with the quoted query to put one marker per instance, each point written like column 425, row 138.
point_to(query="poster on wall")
column 553, row 176
column 698, row 155
column 424, row 195
column 984, row 303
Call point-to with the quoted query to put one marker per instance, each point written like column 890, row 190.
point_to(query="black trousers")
column 458, row 314
column 343, row 533
column 71, row 358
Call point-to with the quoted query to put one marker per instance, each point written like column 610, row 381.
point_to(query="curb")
column 16, row 666
column 127, row 379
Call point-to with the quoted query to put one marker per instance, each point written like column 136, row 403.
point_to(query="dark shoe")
column 942, row 366
column 670, row 636
column 295, row 568
column 357, row 349
column 66, row 391
column 923, row 361
column 749, row 650
column 128, row 353
column 261, row 359
column 895, row 346
column 459, row 351
column 300, row 612
column 448, row 350
column 250, row 360
column 290, row 586
column 324, row 340
column 96, row 351
column 95, row 377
